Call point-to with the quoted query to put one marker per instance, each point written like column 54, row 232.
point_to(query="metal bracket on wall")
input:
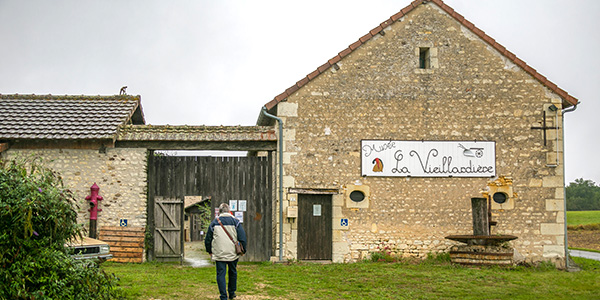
column 544, row 127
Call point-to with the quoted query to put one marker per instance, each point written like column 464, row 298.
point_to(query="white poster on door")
column 317, row 210
column 233, row 205
column 242, row 205
column 240, row 216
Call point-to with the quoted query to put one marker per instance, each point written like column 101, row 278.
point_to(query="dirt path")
column 587, row 239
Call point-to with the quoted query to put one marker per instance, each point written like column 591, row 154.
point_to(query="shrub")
column 579, row 227
column 37, row 217
column 438, row 258
column 384, row 255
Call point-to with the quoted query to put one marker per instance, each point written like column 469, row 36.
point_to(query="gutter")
column 280, row 156
column 564, row 111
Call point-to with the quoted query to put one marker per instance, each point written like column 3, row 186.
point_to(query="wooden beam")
column 316, row 191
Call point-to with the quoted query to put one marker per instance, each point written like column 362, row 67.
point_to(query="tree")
column 583, row 195
column 37, row 218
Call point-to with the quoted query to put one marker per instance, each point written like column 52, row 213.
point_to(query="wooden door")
column 168, row 224
column 314, row 227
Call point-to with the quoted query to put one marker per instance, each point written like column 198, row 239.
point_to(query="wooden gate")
column 249, row 179
column 168, row 229
column 314, row 227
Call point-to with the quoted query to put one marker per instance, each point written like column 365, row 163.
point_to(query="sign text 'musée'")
column 389, row 158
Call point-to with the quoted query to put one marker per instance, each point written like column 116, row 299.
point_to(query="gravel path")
column 585, row 254
column 195, row 256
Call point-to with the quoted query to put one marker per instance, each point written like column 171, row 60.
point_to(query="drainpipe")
column 564, row 111
column 280, row 155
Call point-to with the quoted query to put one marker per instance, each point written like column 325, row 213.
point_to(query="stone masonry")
column 119, row 172
column 469, row 92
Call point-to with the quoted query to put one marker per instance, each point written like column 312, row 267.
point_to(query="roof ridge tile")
column 376, row 30
column 334, row 60
column 365, row 38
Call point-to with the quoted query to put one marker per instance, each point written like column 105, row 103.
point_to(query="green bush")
column 37, row 217
column 384, row 255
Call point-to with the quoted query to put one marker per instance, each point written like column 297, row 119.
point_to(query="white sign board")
column 316, row 210
column 240, row 216
column 233, row 205
column 241, row 205
column 389, row 158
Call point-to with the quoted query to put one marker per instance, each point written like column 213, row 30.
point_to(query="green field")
column 363, row 280
column 583, row 217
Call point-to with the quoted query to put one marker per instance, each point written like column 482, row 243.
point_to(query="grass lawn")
column 583, row 217
column 431, row 279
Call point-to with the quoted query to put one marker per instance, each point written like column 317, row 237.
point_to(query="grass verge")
column 575, row 218
column 431, row 279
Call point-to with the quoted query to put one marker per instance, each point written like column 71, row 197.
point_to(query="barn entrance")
column 243, row 182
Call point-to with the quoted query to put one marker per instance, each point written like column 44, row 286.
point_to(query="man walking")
column 223, row 231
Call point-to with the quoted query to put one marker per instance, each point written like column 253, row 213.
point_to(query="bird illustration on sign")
column 378, row 165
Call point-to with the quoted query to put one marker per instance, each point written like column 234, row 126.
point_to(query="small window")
column 357, row 196
column 424, row 58
column 500, row 197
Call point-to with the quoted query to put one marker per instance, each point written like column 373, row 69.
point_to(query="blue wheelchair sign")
column 123, row 222
column 344, row 222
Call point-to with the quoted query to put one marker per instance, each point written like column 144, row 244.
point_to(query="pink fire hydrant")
column 94, row 198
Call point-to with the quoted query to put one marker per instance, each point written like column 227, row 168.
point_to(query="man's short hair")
column 224, row 208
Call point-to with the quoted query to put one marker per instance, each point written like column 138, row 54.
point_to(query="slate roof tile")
column 66, row 117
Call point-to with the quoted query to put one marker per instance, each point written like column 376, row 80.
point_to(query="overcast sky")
column 218, row 62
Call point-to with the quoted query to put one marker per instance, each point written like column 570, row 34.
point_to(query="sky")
column 218, row 62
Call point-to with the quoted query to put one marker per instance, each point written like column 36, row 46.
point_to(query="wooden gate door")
column 247, row 180
column 314, row 227
column 168, row 224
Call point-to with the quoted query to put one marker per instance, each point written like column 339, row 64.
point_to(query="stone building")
column 385, row 144
column 76, row 136
column 104, row 140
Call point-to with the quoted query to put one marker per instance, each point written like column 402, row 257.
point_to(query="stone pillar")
column 480, row 216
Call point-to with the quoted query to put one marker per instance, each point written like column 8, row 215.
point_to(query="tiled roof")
column 196, row 133
column 44, row 117
column 568, row 100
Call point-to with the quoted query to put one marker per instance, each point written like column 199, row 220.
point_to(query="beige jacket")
column 218, row 243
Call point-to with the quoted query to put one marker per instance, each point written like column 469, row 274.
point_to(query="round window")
column 500, row 197
column 357, row 196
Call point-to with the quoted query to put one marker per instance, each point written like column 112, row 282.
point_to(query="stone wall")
column 120, row 173
column 469, row 92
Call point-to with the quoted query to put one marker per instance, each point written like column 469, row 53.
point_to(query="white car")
column 89, row 248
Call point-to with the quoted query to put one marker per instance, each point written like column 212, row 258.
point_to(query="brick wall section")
column 471, row 93
column 120, row 174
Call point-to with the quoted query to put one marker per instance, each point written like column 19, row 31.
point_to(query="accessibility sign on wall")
column 389, row 158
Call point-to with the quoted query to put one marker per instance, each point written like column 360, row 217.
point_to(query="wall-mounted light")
column 553, row 107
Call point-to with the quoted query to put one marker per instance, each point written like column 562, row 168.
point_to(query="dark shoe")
column 232, row 296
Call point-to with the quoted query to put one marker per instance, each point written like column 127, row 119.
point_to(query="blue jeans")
column 232, row 286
